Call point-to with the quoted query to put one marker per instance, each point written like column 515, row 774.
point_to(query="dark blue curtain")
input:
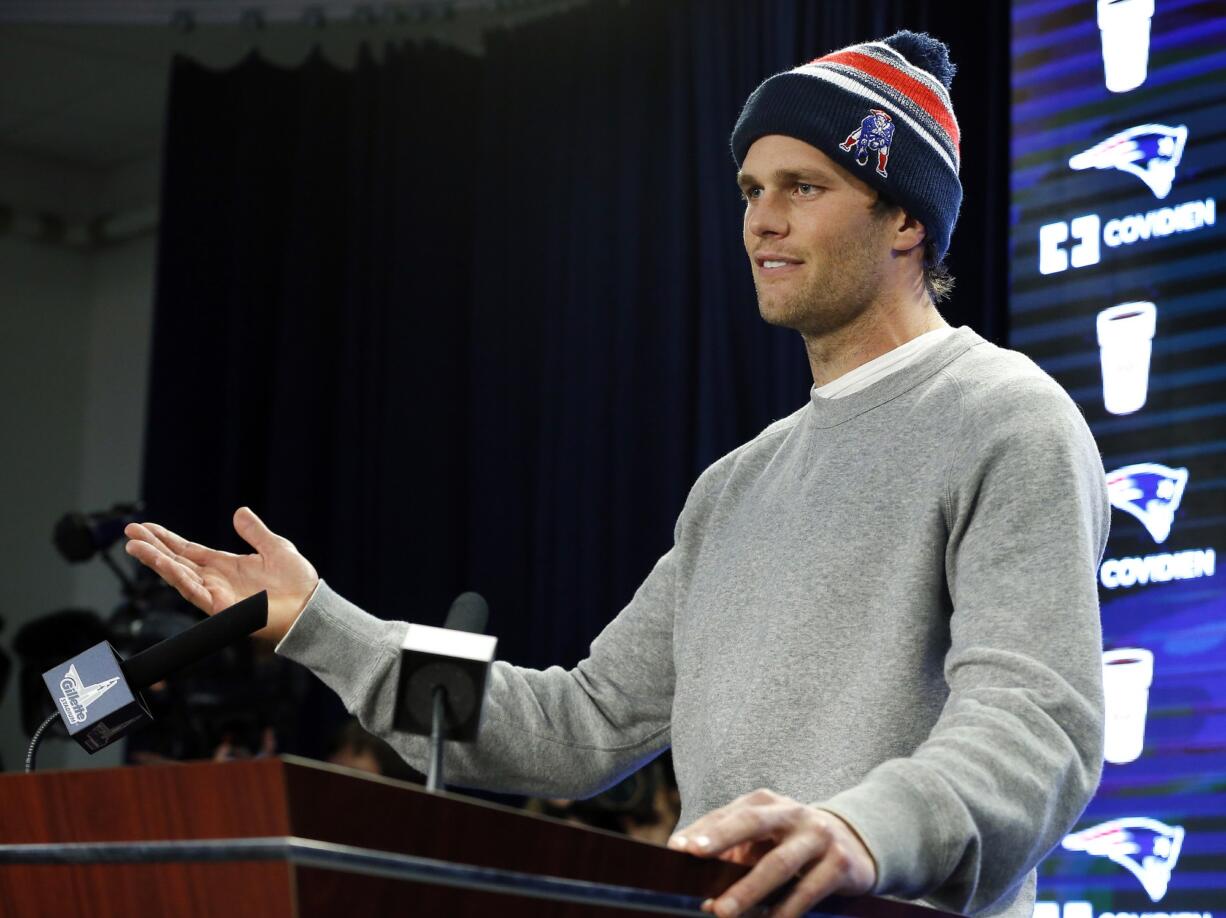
column 477, row 323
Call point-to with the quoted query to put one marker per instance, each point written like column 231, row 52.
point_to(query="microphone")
column 97, row 693
column 443, row 674
column 469, row 612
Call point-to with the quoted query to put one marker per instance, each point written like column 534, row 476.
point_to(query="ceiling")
column 83, row 88
column 91, row 97
column 83, row 85
column 87, row 97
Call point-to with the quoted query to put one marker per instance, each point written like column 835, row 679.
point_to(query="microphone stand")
column 434, row 777
column 442, row 680
column 37, row 738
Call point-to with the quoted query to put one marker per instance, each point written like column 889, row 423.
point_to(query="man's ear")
column 908, row 232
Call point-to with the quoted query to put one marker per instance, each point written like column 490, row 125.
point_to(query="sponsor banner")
column 1116, row 280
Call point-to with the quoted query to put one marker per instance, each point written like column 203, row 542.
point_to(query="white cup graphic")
column 1124, row 27
column 1125, row 342
column 1127, row 674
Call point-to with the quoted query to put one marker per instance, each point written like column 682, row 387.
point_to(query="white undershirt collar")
column 878, row 368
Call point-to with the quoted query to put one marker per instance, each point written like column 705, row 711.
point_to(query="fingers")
column 846, row 867
column 746, row 853
column 253, row 531
column 143, row 536
column 185, row 551
column 780, row 866
column 191, row 555
column 749, row 818
column 825, row 878
column 783, row 839
column 184, row 579
column 142, row 532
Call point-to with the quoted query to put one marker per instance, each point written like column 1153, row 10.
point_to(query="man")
column 874, row 646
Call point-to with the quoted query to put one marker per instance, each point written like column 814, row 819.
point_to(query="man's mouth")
column 776, row 264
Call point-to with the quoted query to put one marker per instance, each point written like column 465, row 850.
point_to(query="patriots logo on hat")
column 875, row 133
column 1149, row 491
column 1146, row 848
column 1149, row 151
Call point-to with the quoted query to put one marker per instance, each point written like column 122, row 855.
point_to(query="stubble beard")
column 835, row 293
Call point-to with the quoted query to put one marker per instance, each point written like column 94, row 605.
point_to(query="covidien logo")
column 77, row 698
column 1150, row 492
column 1149, row 151
column 1146, row 848
column 1088, row 233
column 1084, row 230
column 1071, row 910
column 1163, row 567
column 1081, row 909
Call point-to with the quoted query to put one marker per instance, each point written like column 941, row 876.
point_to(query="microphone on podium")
column 443, row 673
column 97, row 694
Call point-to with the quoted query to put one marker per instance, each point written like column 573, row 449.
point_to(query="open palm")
column 213, row 580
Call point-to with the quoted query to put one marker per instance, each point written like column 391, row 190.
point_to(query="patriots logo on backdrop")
column 875, row 134
column 1149, row 491
column 1146, row 848
column 1149, row 151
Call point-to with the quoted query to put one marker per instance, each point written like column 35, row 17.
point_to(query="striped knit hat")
column 882, row 111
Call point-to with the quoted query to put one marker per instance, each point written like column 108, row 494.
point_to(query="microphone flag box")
column 93, row 698
column 457, row 661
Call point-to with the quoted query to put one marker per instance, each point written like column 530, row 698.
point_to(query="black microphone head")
column 469, row 612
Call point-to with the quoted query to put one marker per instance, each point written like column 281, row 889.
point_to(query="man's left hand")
column 783, row 840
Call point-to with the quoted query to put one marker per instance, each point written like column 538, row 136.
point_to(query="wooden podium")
column 288, row 837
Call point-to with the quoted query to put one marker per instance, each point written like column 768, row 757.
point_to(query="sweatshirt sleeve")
column 1016, row 753
column 556, row 732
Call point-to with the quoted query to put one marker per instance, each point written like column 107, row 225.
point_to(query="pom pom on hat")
column 925, row 52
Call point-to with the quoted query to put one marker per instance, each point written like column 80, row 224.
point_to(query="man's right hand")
column 214, row 580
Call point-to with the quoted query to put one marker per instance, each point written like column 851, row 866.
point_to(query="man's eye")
column 749, row 194
column 805, row 188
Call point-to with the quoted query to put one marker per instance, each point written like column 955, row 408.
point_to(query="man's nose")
column 766, row 217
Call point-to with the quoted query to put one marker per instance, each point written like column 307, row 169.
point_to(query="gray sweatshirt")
column 883, row 604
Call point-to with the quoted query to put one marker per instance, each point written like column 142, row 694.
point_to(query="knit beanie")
column 881, row 110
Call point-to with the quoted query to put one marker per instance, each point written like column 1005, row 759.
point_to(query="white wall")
column 74, row 346
column 44, row 312
column 115, row 384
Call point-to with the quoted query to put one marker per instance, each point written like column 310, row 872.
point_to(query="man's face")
column 817, row 251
